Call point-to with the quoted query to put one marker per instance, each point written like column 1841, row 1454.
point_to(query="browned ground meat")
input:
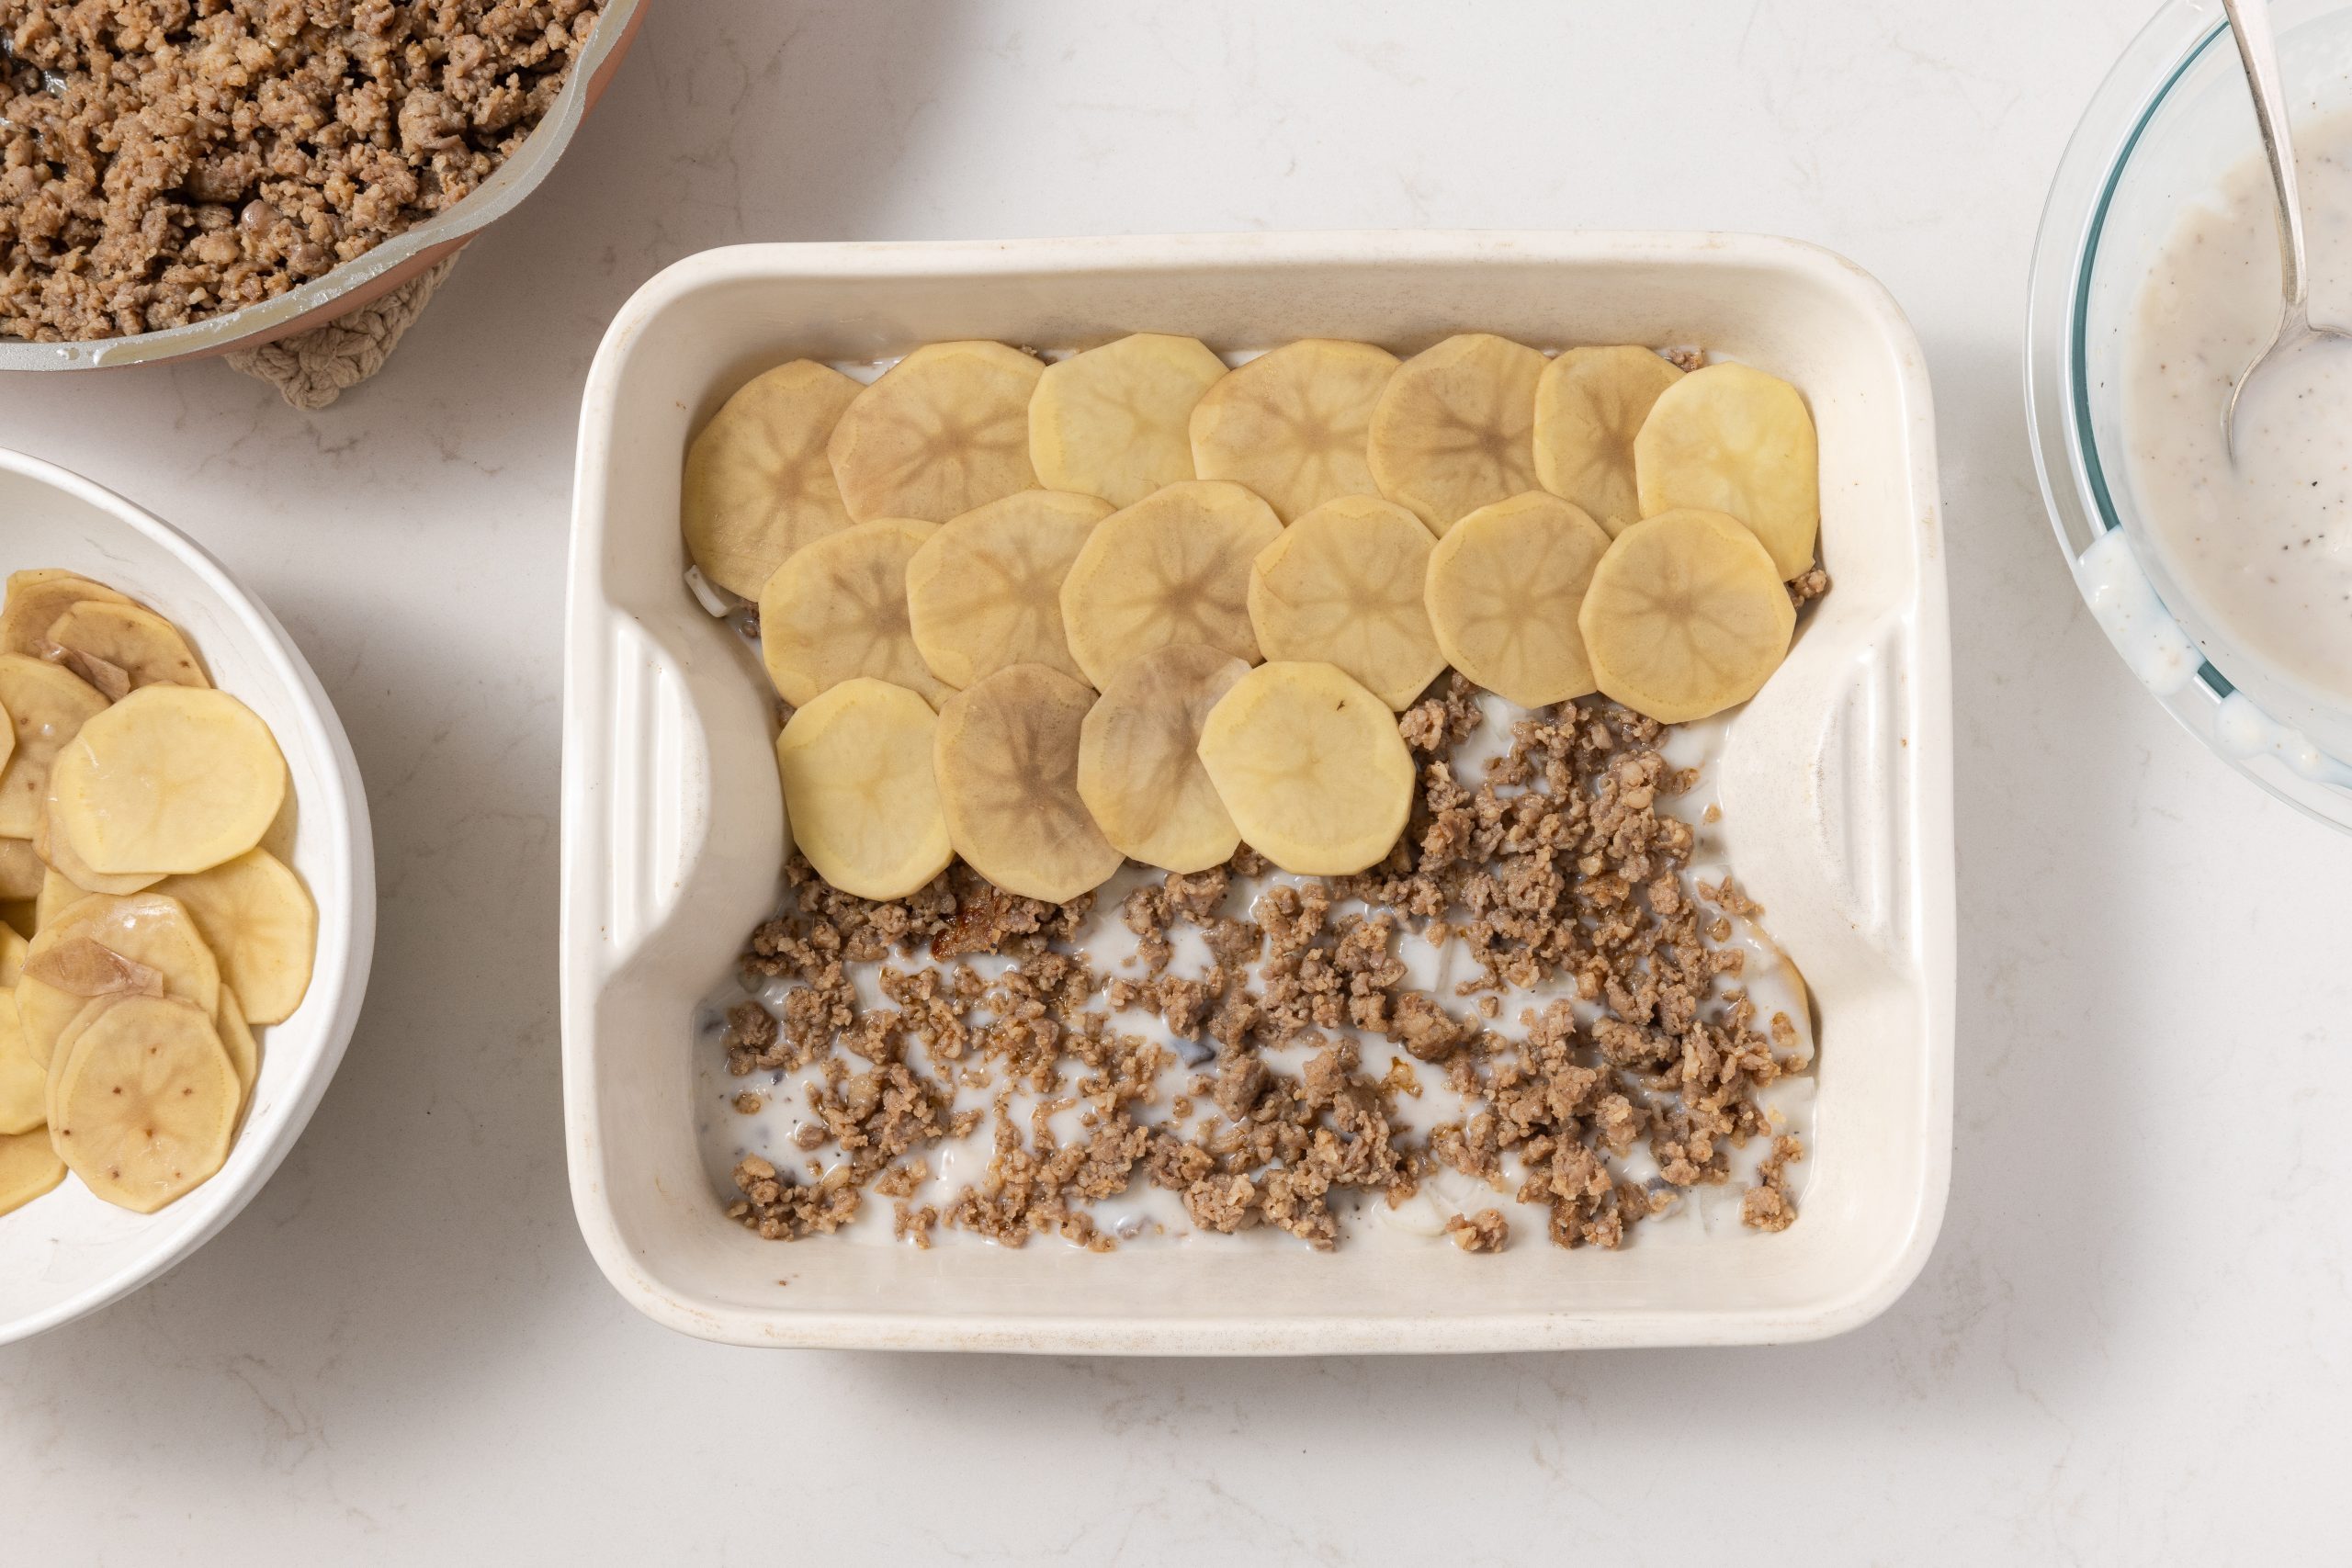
column 164, row 160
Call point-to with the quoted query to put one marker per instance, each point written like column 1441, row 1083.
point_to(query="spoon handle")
column 2258, row 53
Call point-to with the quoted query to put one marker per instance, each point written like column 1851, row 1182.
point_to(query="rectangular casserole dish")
column 1836, row 784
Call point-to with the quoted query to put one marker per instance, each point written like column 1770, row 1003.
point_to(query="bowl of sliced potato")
column 186, row 897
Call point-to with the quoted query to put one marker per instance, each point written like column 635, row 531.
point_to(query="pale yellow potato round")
column 36, row 598
column 1139, row 769
column 56, row 851
column 148, row 1105
column 986, row 591
column 758, row 485
column 46, row 707
column 1730, row 438
column 1173, row 568
column 28, row 1168
column 1343, row 584
column 1503, row 591
column 12, row 944
column 24, row 1087
column 261, row 924
column 237, row 1039
column 146, row 647
column 1686, row 617
column 860, row 793
column 1116, row 420
column 149, row 928
column 1454, row 427
column 1292, row 423
column 838, row 610
column 21, row 869
column 7, row 737
column 1311, row 766
column 171, row 779
column 944, row 430
column 1007, row 760
column 1589, row 405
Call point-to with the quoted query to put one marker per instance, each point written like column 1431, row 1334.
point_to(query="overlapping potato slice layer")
column 758, row 483
column 36, row 598
column 838, row 610
column 1344, row 584
column 261, row 924
column 1730, row 438
column 1686, row 616
column 21, row 868
column 1292, row 423
column 1116, row 420
column 985, row 591
column 171, row 779
column 1139, row 770
column 1589, row 406
column 860, row 790
column 1503, row 589
column 944, row 430
column 147, row 650
column 1174, row 568
column 147, row 1106
column 1007, row 760
column 24, row 1084
column 1454, row 427
column 101, row 946
column 47, row 706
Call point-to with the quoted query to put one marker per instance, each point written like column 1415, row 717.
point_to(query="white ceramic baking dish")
column 1836, row 782
column 68, row 1253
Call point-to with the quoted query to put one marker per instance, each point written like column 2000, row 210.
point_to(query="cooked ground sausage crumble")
column 164, row 161
column 1558, row 864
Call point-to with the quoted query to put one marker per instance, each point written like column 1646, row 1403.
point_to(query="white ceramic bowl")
column 1837, row 783
column 68, row 1253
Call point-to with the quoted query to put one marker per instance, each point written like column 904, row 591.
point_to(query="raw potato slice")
column 1173, row 568
column 46, row 706
column 258, row 919
column 148, row 929
column 56, row 851
column 837, row 609
column 1729, row 438
column 57, row 895
column 237, row 1039
column 7, row 737
column 171, row 778
column 944, row 430
column 1007, row 758
column 1503, row 593
column 148, row 1105
column 1116, row 421
column 21, row 869
column 28, row 1168
column 1454, row 427
column 12, row 956
column 986, row 591
column 1343, row 584
column 35, row 600
column 1311, row 766
column 1291, row 423
column 1686, row 617
column 859, row 791
column 146, row 647
column 1139, row 770
column 1589, row 405
column 24, row 1087
column 758, row 485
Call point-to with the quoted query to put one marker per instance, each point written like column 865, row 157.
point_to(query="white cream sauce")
column 2254, row 555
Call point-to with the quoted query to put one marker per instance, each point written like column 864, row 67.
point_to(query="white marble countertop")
column 2131, row 1337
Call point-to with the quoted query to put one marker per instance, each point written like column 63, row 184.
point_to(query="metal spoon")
column 2258, row 53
